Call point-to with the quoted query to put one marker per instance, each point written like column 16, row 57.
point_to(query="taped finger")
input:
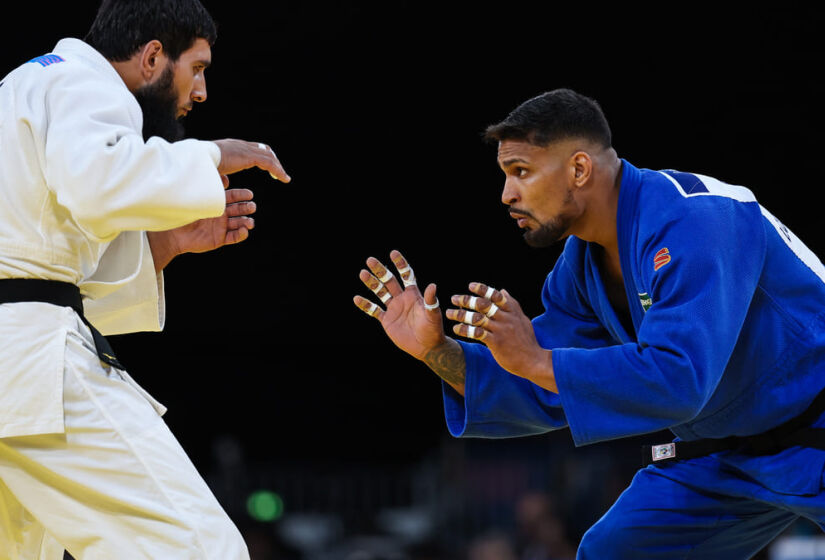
column 476, row 333
column 381, row 291
column 368, row 307
column 407, row 276
column 432, row 307
column 489, row 293
column 492, row 311
column 471, row 317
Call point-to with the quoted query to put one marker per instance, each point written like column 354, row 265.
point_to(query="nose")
column 509, row 195
column 199, row 89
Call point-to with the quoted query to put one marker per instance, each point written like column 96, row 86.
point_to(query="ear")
column 582, row 168
column 152, row 59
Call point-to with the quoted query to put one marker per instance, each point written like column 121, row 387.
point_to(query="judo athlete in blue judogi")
column 677, row 303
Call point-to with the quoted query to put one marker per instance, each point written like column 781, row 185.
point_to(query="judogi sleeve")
column 700, row 299
column 125, row 294
column 99, row 167
column 498, row 404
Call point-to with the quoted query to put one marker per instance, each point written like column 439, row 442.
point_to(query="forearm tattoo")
column 447, row 361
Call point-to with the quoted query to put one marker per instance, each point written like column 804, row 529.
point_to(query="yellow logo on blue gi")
column 645, row 300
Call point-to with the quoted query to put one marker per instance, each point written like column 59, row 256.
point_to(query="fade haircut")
column 555, row 115
column 122, row 27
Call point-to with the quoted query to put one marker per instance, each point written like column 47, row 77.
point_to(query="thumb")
column 430, row 298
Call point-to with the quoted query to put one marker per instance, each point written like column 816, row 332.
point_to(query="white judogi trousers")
column 115, row 485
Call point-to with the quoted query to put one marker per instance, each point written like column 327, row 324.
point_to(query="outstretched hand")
column 411, row 320
column 237, row 155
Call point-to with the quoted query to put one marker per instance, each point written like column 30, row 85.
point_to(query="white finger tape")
column 409, row 279
column 386, row 297
column 378, row 288
column 472, row 303
column 492, row 310
column 468, row 317
column 373, row 309
column 471, row 332
column 429, row 307
column 489, row 293
column 387, row 277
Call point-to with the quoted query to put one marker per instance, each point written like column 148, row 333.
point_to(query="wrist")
column 164, row 248
column 541, row 371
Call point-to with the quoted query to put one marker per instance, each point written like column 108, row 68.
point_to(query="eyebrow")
column 511, row 161
column 203, row 62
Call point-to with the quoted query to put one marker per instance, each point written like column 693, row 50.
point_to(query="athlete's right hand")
column 237, row 155
column 412, row 321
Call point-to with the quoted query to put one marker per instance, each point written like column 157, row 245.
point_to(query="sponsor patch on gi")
column 645, row 300
column 661, row 258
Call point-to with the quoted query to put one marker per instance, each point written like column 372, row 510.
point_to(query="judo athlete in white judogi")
column 89, row 208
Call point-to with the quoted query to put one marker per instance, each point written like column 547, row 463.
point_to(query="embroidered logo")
column 661, row 258
column 646, row 301
column 47, row 59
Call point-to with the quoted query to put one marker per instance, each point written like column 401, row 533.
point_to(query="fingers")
column 386, row 286
column 384, row 276
column 237, row 155
column 469, row 331
column 431, row 300
column 272, row 164
column 236, row 235
column 404, row 268
column 376, row 286
column 368, row 307
column 225, row 181
column 478, row 311
column 241, row 209
column 238, row 195
column 240, row 222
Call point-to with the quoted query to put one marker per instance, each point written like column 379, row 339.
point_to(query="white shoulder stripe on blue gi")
column 691, row 184
column 796, row 245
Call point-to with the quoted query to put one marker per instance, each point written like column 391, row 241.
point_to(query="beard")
column 553, row 230
column 159, row 104
column 548, row 233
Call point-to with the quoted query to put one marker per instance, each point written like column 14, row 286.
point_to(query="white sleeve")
column 110, row 180
column 125, row 294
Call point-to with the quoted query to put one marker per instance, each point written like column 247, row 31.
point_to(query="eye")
column 521, row 172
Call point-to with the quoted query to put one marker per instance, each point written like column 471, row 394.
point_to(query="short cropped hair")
column 555, row 115
column 122, row 27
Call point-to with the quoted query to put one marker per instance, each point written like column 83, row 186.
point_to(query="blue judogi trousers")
column 698, row 510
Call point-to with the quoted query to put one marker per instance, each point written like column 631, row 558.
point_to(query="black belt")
column 64, row 294
column 797, row 431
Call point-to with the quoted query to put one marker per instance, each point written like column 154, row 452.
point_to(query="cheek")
column 183, row 86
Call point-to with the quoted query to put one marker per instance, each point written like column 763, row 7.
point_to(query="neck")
column 604, row 204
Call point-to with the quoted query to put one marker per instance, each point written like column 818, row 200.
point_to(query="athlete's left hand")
column 494, row 318
column 231, row 227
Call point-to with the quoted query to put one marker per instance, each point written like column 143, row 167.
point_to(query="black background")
column 376, row 111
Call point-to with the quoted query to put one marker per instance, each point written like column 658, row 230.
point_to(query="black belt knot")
column 64, row 294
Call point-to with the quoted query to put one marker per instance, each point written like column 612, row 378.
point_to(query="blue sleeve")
column 499, row 404
column 700, row 301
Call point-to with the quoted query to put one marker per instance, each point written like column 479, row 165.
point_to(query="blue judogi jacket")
column 728, row 332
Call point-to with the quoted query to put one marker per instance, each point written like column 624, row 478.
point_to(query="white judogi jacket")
column 78, row 189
